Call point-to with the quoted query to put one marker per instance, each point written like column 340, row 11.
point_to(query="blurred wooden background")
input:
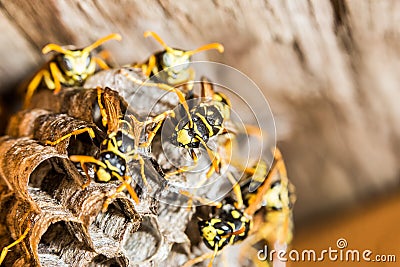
column 329, row 69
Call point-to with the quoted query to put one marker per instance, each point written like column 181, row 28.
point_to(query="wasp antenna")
column 157, row 38
column 216, row 46
column 238, row 232
column 112, row 36
column 55, row 47
column 210, row 264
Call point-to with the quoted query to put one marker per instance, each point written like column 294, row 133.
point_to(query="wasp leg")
column 148, row 68
column 106, row 58
column 85, row 169
column 178, row 171
column 121, row 124
column 126, row 183
column 278, row 166
column 73, row 133
column 131, row 191
column 86, row 159
column 261, row 191
column 236, row 190
column 101, row 63
column 222, row 157
column 210, row 172
column 199, row 259
column 185, row 168
column 82, row 159
column 213, row 256
column 201, row 200
column 164, row 87
column 197, row 186
column 56, row 73
column 254, row 131
column 215, row 164
column 214, row 157
column 138, row 126
column 89, row 180
column 158, row 120
column 141, row 161
column 16, row 242
column 104, row 54
column 33, row 85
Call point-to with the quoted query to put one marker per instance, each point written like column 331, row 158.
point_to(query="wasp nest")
column 41, row 189
column 46, row 195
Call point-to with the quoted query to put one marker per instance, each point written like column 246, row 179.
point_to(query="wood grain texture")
column 330, row 70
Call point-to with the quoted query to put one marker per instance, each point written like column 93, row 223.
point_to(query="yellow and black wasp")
column 121, row 145
column 203, row 121
column 68, row 67
column 172, row 66
column 272, row 206
column 235, row 220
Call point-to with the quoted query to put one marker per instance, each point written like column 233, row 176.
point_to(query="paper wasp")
column 172, row 66
column 233, row 220
column 120, row 145
column 272, row 206
column 203, row 121
column 69, row 67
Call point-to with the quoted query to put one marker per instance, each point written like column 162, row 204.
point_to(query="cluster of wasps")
column 261, row 215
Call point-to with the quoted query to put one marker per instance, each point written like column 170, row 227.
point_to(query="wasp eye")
column 185, row 65
column 167, row 59
column 88, row 60
column 67, row 64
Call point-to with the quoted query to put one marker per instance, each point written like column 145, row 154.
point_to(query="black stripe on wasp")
column 68, row 67
column 264, row 215
column 122, row 144
column 172, row 65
